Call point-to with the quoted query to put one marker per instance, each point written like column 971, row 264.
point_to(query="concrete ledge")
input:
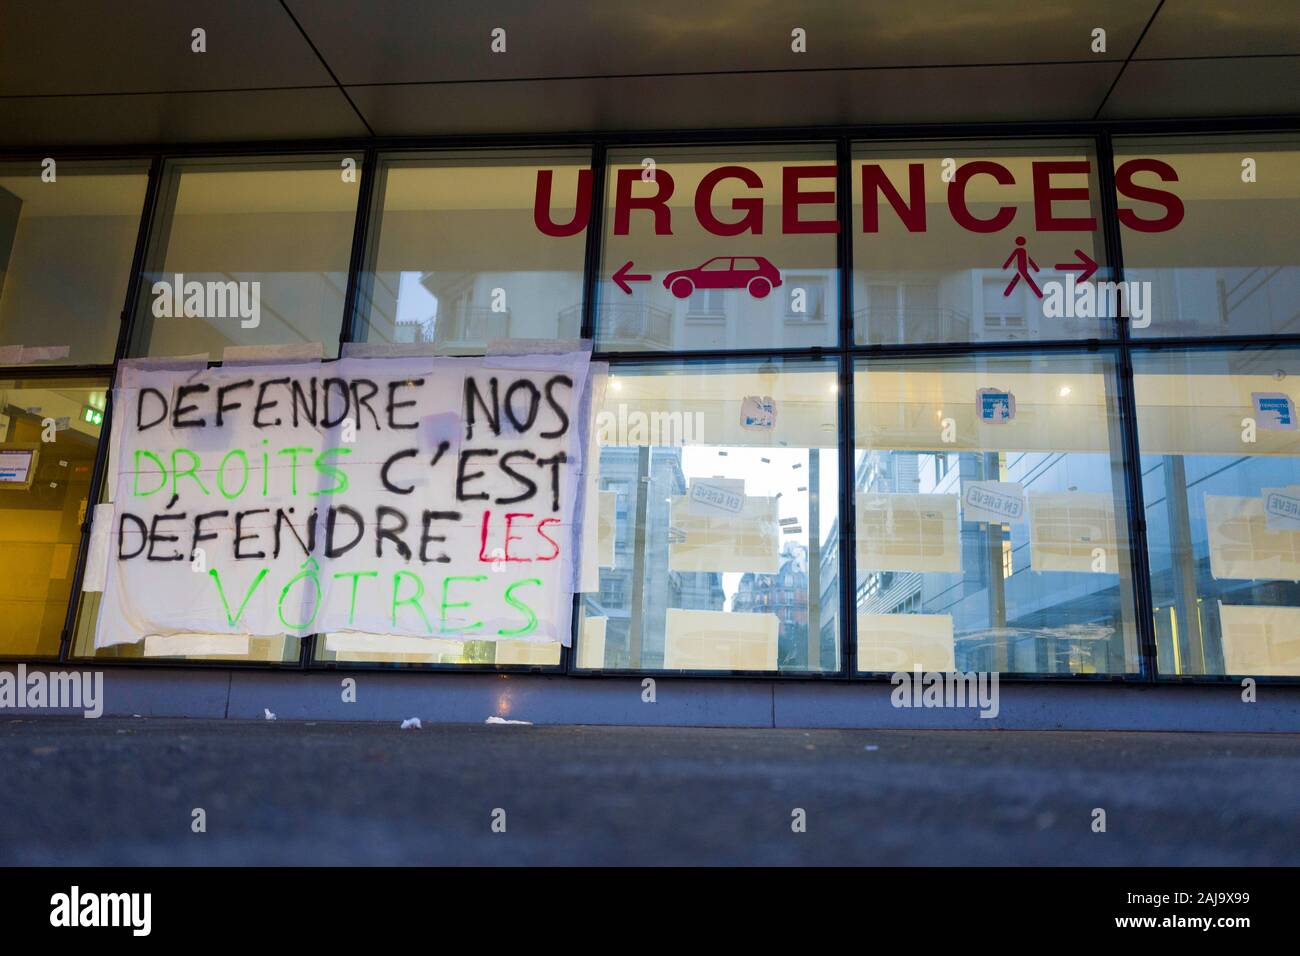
column 1050, row 707
column 472, row 698
column 547, row 699
column 145, row 692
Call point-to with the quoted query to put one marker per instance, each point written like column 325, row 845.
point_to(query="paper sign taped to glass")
column 1243, row 547
column 999, row 502
column 906, row 642
column 591, row 641
column 1260, row 641
column 328, row 498
column 709, row 497
column 907, row 532
column 1073, row 531
column 720, row 640
column 1281, row 508
column 748, row 540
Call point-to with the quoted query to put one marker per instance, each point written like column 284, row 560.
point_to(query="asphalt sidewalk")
column 124, row 791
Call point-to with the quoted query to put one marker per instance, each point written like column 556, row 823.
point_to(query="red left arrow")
column 622, row 277
column 1085, row 266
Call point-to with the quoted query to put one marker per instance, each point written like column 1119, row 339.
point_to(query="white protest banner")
column 414, row 496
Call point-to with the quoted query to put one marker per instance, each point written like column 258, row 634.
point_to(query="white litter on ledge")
column 269, row 715
column 412, row 723
column 502, row 720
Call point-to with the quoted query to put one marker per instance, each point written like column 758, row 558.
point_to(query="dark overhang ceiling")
column 74, row 72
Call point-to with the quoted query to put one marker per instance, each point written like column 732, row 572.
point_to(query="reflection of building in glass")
column 1006, row 614
column 636, row 593
column 464, row 311
column 784, row 594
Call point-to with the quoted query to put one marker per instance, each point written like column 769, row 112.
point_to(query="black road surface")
column 109, row 792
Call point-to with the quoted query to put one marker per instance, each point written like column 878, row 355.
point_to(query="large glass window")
column 719, row 248
column 249, row 252
column 471, row 247
column 1221, row 479
column 49, row 431
column 991, row 529
column 1209, row 230
column 977, row 242
column 711, row 522
column 67, row 235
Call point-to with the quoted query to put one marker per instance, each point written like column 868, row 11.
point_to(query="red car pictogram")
column 726, row 272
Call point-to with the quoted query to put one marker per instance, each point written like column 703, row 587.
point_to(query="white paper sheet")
column 907, row 532
column 1072, row 531
column 720, row 640
column 1260, row 641
column 905, row 642
column 1242, row 547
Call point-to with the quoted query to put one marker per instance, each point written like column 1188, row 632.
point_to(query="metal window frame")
column 846, row 353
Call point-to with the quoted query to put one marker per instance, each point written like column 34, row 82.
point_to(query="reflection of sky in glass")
column 768, row 472
column 415, row 303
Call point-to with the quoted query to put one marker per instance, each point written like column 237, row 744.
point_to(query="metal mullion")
column 357, row 264
column 848, row 631
column 976, row 130
column 595, row 240
column 711, row 355
column 1139, row 563
column 126, row 323
column 591, row 265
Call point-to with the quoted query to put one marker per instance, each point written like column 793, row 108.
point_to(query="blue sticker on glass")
column 995, row 406
column 1274, row 411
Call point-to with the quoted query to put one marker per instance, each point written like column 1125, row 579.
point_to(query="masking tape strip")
column 29, row 354
column 165, row 363
column 357, row 642
column 195, row 645
column 101, row 531
column 531, row 353
column 389, row 350
column 267, row 354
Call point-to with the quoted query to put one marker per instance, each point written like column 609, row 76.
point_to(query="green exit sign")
column 92, row 415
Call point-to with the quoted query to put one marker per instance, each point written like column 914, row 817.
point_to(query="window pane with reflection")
column 49, row 433
column 1221, row 480
column 476, row 246
column 1208, row 228
column 248, row 252
column 977, row 242
column 66, row 245
column 719, row 248
column 711, row 524
column 991, row 527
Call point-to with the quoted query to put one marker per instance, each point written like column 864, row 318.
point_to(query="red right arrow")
column 1085, row 267
column 622, row 277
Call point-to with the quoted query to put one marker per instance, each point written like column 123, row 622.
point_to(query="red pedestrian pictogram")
column 1020, row 256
